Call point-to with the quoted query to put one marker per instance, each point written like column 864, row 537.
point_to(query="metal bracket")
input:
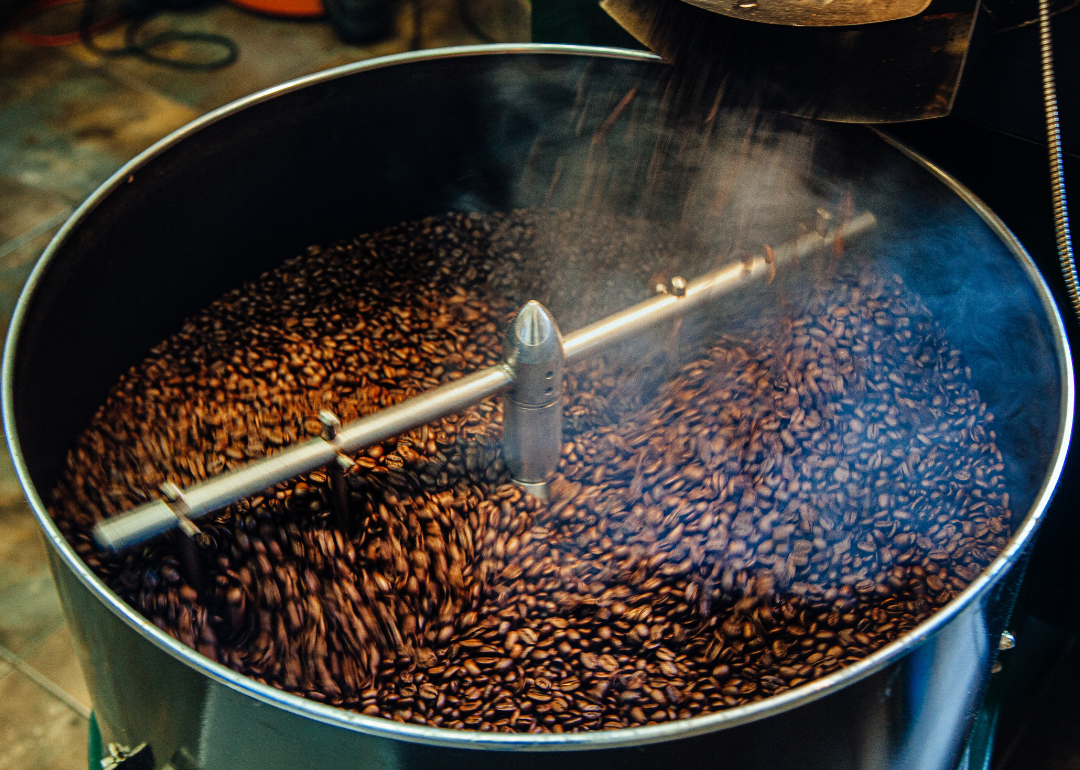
column 193, row 540
column 122, row 758
column 174, row 496
column 335, row 470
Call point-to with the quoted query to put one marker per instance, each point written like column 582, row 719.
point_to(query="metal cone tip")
column 534, row 324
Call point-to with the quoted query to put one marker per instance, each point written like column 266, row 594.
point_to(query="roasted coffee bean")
column 777, row 500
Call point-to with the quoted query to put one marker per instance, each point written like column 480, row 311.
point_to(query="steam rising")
column 696, row 177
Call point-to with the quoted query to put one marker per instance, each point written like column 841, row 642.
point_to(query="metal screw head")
column 330, row 424
column 1007, row 641
column 170, row 491
column 678, row 286
column 660, row 288
column 823, row 217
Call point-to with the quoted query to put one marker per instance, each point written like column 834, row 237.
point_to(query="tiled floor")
column 68, row 119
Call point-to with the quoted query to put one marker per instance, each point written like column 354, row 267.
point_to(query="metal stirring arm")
column 533, row 424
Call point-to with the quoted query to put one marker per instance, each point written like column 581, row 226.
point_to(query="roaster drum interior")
column 371, row 149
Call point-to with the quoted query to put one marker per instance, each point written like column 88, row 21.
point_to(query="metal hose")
column 1057, row 169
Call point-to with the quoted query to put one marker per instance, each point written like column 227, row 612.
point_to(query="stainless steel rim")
column 465, row 739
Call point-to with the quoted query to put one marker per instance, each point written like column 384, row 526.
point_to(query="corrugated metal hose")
column 1057, row 168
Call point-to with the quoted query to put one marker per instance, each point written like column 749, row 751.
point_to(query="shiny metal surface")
column 532, row 407
column 532, row 439
column 535, row 347
column 907, row 705
column 815, row 13
column 904, row 69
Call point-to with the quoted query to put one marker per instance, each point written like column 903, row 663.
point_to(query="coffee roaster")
column 366, row 146
column 369, row 145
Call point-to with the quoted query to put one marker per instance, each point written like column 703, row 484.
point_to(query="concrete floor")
column 69, row 119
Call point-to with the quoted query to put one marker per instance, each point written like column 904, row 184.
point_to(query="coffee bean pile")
column 758, row 509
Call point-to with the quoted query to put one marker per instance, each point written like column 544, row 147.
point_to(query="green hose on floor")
column 94, row 744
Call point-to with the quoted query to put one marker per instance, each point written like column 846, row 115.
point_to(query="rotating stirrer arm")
column 531, row 378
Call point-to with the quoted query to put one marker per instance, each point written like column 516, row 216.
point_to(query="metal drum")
column 366, row 146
